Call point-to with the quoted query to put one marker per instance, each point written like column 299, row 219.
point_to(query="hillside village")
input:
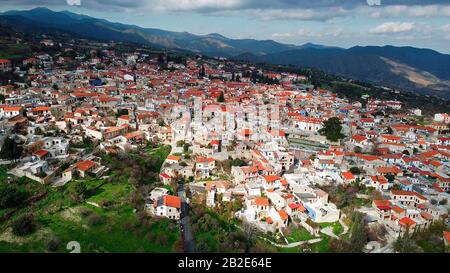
column 287, row 154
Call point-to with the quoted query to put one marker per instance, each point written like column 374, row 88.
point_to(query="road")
column 189, row 244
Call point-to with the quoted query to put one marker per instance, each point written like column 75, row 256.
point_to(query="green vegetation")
column 24, row 225
column 355, row 240
column 13, row 51
column 221, row 97
column 11, row 195
column 332, row 129
column 103, row 215
column 336, row 226
column 298, row 234
column 355, row 170
column 428, row 240
column 114, row 227
column 86, row 144
column 215, row 233
column 10, row 149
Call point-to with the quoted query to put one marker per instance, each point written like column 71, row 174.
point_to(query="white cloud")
column 394, row 11
column 393, row 27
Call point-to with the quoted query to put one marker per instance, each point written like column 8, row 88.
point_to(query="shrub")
column 54, row 244
column 24, row 225
column 84, row 212
column 11, row 196
column 95, row 219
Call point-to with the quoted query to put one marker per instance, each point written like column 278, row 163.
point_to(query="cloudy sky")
column 345, row 23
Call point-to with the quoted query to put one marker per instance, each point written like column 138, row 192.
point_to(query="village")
column 290, row 154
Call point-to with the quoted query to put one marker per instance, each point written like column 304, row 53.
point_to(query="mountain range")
column 421, row 70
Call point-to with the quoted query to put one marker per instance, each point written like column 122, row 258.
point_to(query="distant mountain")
column 85, row 26
column 422, row 70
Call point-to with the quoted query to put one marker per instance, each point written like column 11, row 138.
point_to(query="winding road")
column 189, row 244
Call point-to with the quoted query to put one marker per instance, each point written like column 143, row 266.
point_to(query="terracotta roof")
column 398, row 209
column 271, row 178
column 426, row 216
column 172, row 201
column 11, row 108
column 261, row 201
column 283, row 215
column 382, row 203
column 85, row 165
column 410, row 193
column 348, row 175
column 173, row 157
column 406, row 221
column 134, row 134
column 392, row 169
column 359, row 138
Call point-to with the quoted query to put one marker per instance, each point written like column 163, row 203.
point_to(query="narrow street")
column 189, row 244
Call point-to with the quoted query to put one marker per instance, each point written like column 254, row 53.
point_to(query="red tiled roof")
column 271, row 178
column 85, row 165
column 164, row 175
column 406, row 221
column 382, row 203
column 173, row 157
column 283, row 215
column 348, row 175
column 398, row 209
column 261, row 201
column 41, row 153
column 447, row 236
column 392, row 169
column 172, row 201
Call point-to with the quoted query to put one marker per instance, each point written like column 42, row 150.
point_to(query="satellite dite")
column 73, row 2
column 374, row 2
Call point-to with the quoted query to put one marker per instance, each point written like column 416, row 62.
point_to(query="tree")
column 358, row 235
column 405, row 244
column 390, row 177
column 77, row 190
column 180, row 143
column 221, row 98
column 10, row 149
column 332, row 129
column 405, row 152
column 202, row 72
column 11, row 196
column 355, row 170
column 238, row 162
column 389, row 131
column 161, row 59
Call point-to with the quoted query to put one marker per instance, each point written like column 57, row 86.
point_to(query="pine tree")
column 10, row 149
column 221, row 98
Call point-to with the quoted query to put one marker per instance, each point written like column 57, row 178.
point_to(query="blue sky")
column 344, row 23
